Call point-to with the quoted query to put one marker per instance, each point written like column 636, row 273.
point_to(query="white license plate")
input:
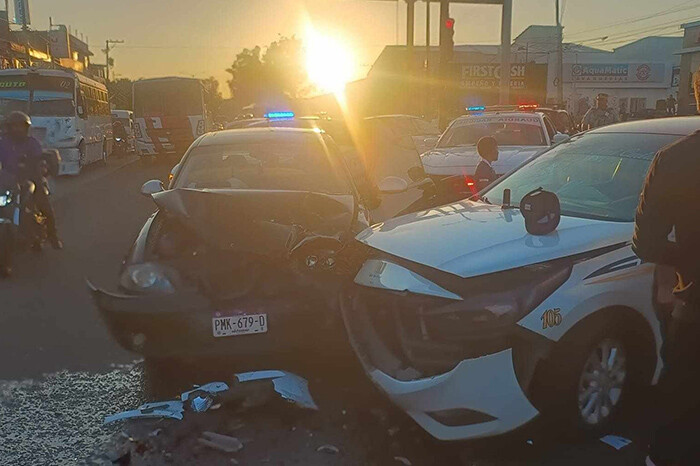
column 239, row 325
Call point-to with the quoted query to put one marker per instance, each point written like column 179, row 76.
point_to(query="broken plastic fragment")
column 330, row 449
column 290, row 386
column 616, row 441
column 166, row 409
column 211, row 388
column 220, row 442
column 403, row 460
column 200, row 404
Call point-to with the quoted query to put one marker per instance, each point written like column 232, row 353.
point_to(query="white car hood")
column 464, row 159
column 472, row 238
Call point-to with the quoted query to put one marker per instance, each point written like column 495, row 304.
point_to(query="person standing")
column 487, row 147
column 671, row 105
column 600, row 114
column 668, row 233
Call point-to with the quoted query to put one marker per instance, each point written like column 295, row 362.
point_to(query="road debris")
column 329, row 449
column 198, row 400
column 220, row 442
column 616, row 441
column 290, row 386
column 403, row 460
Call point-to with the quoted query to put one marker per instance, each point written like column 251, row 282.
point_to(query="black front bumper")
column 180, row 324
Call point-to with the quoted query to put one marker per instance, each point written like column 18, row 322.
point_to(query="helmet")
column 18, row 118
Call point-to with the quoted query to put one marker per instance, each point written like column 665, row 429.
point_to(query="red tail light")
column 470, row 184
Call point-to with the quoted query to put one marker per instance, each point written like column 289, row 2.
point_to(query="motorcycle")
column 22, row 224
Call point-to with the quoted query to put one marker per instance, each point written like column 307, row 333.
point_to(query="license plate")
column 239, row 325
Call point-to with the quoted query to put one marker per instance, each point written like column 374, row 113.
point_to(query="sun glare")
column 329, row 63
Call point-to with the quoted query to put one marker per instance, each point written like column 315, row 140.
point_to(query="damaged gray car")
column 250, row 243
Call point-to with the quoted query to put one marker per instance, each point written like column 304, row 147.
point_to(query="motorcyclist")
column 118, row 130
column 20, row 155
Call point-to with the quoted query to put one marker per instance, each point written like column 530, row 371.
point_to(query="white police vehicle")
column 521, row 132
column 475, row 327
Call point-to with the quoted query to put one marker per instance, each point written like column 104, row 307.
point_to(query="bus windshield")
column 168, row 98
column 37, row 95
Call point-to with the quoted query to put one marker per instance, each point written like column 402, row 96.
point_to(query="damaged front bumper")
column 481, row 392
column 180, row 324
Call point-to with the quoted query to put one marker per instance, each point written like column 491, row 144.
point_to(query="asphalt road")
column 47, row 320
column 61, row 373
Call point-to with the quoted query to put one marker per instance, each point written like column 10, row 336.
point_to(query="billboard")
column 22, row 12
column 615, row 72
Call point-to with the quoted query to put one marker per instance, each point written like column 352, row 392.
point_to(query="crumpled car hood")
column 464, row 159
column 258, row 221
column 473, row 238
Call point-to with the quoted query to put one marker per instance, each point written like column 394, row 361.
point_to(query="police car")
column 521, row 132
column 475, row 327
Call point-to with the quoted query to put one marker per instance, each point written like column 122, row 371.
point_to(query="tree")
column 120, row 92
column 269, row 78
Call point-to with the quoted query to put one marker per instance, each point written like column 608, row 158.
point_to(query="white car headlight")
column 148, row 277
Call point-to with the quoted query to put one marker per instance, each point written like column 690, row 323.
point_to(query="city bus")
column 69, row 111
column 169, row 114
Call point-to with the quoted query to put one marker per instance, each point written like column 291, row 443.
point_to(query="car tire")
column 591, row 378
column 81, row 156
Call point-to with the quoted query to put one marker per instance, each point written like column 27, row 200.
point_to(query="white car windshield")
column 508, row 131
column 296, row 165
column 595, row 175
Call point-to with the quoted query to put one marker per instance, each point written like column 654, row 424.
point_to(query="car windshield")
column 508, row 131
column 594, row 175
column 52, row 103
column 298, row 164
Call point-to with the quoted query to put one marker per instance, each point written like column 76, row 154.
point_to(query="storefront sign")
column 616, row 72
column 482, row 76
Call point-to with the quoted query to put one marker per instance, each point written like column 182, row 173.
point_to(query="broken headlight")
column 148, row 277
column 493, row 301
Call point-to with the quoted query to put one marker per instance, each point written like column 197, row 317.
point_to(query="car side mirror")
column 151, row 187
column 393, row 185
column 559, row 138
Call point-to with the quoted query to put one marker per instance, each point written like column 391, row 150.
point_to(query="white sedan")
column 475, row 327
column 521, row 135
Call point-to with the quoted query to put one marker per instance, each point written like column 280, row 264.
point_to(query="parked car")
column 475, row 327
column 408, row 131
column 249, row 246
column 562, row 120
column 521, row 135
column 126, row 118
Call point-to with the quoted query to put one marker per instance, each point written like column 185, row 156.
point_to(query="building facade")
column 689, row 64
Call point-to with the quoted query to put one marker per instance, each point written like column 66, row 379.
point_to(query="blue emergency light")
column 479, row 108
column 279, row 115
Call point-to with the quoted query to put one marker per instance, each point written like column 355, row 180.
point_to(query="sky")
column 201, row 38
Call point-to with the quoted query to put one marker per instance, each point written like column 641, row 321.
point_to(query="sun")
column 329, row 62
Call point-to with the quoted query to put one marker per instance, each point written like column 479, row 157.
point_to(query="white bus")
column 169, row 114
column 69, row 111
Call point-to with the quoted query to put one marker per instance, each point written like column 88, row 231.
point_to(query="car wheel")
column 593, row 373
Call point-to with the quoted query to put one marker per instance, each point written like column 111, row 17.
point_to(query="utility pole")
column 109, row 42
column 426, row 109
column 506, row 20
column 560, row 57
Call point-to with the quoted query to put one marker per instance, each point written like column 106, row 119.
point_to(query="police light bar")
column 279, row 115
column 479, row 108
column 528, row 106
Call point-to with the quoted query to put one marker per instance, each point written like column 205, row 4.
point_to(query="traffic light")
column 447, row 47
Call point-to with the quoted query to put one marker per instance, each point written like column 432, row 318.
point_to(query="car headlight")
column 148, row 277
column 493, row 301
column 118, row 139
column 5, row 199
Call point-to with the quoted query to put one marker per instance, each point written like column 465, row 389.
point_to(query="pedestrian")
column 671, row 105
column 487, row 147
column 666, row 234
column 600, row 114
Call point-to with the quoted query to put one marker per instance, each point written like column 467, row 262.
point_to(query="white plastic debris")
column 330, row 449
column 159, row 409
column 403, row 460
column 616, row 441
column 290, row 386
column 220, row 442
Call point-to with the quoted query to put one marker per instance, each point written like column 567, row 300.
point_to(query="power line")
column 676, row 9
column 637, row 31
